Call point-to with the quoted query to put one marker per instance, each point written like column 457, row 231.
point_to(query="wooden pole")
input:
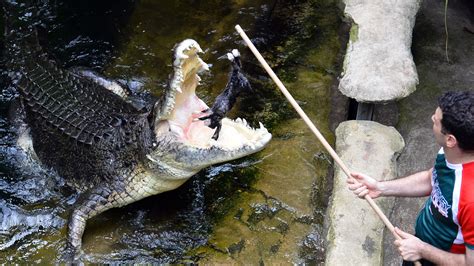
column 313, row 128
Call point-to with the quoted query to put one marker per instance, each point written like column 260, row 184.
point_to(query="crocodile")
column 110, row 151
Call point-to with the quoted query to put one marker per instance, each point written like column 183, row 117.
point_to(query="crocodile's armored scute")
column 81, row 123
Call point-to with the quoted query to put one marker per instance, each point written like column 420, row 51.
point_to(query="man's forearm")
column 441, row 257
column 416, row 185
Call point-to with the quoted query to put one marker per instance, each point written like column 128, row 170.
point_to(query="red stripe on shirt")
column 458, row 249
column 466, row 204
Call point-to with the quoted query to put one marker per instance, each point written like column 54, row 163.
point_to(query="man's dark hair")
column 458, row 117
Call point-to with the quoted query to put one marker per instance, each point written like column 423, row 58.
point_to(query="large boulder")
column 378, row 65
column 354, row 231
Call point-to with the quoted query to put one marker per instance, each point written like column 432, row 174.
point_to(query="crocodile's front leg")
column 120, row 191
column 89, row 205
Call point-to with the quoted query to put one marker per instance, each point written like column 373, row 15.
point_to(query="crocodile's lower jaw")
column 234, row 134
column 182, row 106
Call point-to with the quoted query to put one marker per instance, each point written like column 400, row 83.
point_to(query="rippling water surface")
column 279, row 193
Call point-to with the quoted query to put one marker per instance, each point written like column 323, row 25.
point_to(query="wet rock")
column 236, row 247
column 378, row 65
column 355, row 232
column 17, row 224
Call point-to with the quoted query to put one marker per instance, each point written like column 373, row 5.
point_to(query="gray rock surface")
column 378, row 64
column 355, row 232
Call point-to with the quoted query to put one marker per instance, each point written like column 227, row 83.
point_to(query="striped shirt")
column 447, row 219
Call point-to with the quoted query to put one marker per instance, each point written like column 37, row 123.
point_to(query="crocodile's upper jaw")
column 180, row 105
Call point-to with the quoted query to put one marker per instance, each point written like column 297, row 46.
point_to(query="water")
column 264, row 208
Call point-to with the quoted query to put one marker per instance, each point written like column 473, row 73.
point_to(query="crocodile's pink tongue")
column 190, row 107
column 199, row 133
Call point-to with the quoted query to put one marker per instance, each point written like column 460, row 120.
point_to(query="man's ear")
column 451, row 141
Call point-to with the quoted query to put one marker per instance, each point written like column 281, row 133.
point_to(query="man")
column 445, row 226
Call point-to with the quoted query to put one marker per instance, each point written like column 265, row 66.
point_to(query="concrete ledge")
column 354, row 231
column 378, row 66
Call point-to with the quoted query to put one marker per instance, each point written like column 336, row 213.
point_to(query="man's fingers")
column 363, row 193
column 355, row 186
column 401, row 233
column 355, row 175
column 397, row 243
column 405, row 255
column 360, row 190
column 358, row 177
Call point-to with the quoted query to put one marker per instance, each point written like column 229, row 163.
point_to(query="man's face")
column 439, row 136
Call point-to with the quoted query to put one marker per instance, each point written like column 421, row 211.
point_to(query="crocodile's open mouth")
column 180, row 106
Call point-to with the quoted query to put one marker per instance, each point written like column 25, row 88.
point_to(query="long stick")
column 316, row 132
column 313, row 128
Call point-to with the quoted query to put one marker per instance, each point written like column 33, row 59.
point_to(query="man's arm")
column 412, row 248
column 415, row 185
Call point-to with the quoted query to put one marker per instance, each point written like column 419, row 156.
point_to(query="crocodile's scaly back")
column 78, row 123
column 76, row 108
column 78, row 127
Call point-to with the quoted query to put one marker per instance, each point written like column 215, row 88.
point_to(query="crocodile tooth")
column 198, row 47
column 179, row 52
column 204, row 65
column 152, row 159
column 182, row 55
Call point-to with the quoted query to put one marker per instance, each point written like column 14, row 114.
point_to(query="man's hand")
column 410, row 246
column 363, row 185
